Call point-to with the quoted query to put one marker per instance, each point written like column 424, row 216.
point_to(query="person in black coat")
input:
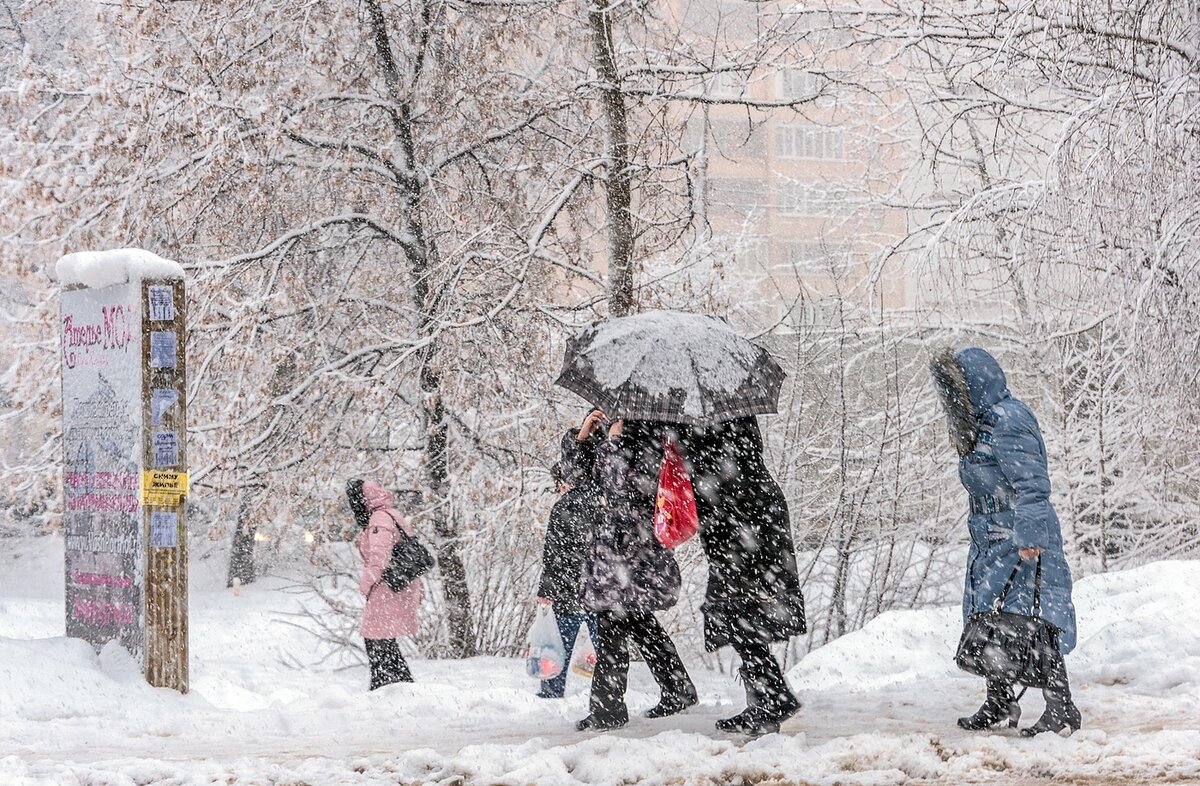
column 571, row 521
column 627, row 574
column 753, row 596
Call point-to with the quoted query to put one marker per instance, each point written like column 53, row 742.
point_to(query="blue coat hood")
column 986, row 382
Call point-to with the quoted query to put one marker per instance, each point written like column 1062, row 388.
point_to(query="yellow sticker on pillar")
column 164, row 488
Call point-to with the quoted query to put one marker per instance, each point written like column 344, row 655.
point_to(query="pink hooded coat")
column 387, row 614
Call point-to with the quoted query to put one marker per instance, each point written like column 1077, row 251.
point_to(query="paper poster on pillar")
column 102, row 421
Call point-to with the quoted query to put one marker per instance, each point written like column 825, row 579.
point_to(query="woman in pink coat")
column 386, row 614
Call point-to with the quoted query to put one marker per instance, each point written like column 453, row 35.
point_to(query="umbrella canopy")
column 671, row 366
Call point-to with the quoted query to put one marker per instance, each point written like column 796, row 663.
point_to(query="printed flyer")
column 102, row 471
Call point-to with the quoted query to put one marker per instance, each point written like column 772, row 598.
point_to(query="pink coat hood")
column 377, row 497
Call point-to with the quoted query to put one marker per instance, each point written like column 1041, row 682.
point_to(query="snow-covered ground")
column 879, row 707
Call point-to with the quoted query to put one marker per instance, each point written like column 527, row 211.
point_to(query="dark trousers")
column 765, row 684
column 387, row 663
column 568, row 628
column 615, row 630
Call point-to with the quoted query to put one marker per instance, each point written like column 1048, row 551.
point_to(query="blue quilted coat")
column 1006, row 477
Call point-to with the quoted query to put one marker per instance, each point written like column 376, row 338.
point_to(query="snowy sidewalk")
column 879, row 707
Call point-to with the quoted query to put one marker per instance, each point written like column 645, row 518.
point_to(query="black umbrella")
column 671, row 366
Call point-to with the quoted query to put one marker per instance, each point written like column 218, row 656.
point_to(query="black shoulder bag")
column 1005, row 647
column 409, row 560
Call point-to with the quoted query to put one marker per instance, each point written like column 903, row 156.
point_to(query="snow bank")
column 99, row 269
column 895, row 648
column 879, row 705
column 1134, row 632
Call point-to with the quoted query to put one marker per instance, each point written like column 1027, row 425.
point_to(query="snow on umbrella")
column 671, row 366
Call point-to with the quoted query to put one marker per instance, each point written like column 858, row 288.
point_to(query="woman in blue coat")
column 1002, row 465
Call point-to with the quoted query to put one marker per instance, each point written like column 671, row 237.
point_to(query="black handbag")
column 410, row 559
column 1009, row 648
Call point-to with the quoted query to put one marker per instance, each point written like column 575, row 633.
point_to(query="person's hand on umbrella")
column 617, row 427
column 593, row 419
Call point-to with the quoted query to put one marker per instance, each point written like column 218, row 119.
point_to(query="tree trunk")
column 1103, row 449
column 450, row 562
column 241, row 555
column 618, row 168
column 419, row 255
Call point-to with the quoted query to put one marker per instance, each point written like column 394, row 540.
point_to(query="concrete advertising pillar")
column 125, row 471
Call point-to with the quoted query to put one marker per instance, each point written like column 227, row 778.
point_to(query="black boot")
column 674, row 702
column 1001, row 706
column 1059, row 715
column 606, row 702
column 601, row 723
column 769, row 701
column 675, row 687
column 1061, row 712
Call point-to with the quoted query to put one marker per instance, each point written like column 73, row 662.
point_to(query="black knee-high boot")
column 1001, row 706
column 1061, row 712
column 769, row 699
column 775, row 695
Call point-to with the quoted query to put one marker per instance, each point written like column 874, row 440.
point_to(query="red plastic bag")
column 675, row 517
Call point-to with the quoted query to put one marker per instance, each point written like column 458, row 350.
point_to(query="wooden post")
column 165, row 481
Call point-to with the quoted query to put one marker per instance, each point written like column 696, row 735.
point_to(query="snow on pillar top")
column 99, row 269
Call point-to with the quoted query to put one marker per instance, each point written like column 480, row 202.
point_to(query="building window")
column 807, row 314
column 735, row 20
column 751, row 253
column 798, row 83
column 811, row 142
column 729, row 84
column 821, row 257
column 739, row 195
column 822, row 30
column 812, row 199
column 738, row 138
column 824, row 313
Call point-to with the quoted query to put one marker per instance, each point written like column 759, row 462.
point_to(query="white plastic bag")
column 583, row 658
column 545, row 655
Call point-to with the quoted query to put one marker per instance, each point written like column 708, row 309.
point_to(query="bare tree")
column 352, row 240
column 1055, row 211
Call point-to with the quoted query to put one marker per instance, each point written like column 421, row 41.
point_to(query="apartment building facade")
column 804, row 199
